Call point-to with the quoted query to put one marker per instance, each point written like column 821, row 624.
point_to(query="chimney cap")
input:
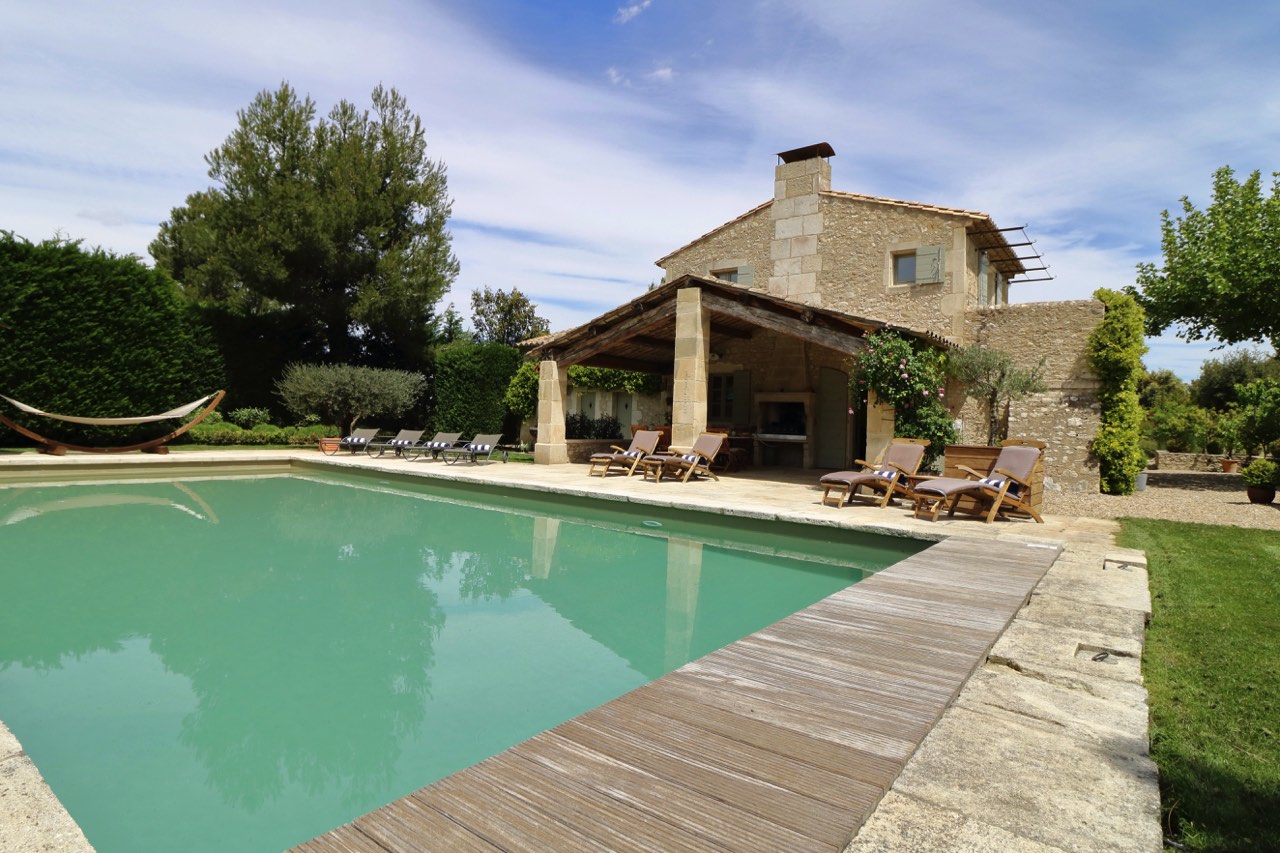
column 808, row 152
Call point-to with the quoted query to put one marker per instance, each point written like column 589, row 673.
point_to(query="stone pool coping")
column 1044, row 749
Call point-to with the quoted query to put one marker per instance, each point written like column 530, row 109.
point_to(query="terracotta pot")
column 1260, row 494
column 1230, row 466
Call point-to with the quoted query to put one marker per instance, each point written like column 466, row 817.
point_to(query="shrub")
column 470, row 383
column 608, row 379
column 909, row 377
column 582, row 426
column 249, row 417
column 342, row 394
column 1115, row 354
column 1260, row 472
column 521, row 396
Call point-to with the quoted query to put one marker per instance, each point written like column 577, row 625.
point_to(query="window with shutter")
column 929, row 264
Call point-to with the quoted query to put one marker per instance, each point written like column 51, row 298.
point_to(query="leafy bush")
column 1115, row 354
column 263, row 434
column 1260, row 472
column 470, row 385
column 582, row 426
column 249, row 417
column 98, row 335
column 608, row 379
column 909, row 377
column 1259, row 413
column 342, row 394
column 521, row 396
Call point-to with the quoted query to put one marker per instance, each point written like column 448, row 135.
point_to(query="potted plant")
column 1228, row 432
column 1260, row 481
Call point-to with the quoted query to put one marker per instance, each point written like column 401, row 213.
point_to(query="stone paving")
column 1045, row 748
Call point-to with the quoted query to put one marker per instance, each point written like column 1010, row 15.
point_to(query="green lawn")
column 1212, row 666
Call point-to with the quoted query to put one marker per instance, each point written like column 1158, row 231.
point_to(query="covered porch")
column 769, row 372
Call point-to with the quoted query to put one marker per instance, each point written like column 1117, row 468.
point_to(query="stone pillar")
column 693, row 351
column 684, row 573
column 797, row 227
column 879, row 427
column 553, row 390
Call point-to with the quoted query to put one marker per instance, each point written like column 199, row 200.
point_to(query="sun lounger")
column 354, row 443
column 485, row 446
column 404, row 441
column 440, row 442
column 643, row 444
column 887, row 479
column 697, row 461
column 1004, row 490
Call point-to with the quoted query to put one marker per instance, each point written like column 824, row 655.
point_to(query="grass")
column 1212, row 666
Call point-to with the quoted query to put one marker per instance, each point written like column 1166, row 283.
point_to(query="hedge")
column 90, row 333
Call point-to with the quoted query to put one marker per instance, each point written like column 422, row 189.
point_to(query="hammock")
column 155, row 445
column 180, row 412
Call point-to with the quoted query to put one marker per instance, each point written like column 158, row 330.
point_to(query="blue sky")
column 586, row 139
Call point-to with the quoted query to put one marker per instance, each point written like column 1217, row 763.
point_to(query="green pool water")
column 244, row 663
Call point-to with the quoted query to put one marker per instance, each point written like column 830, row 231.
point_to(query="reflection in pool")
column 286, row 654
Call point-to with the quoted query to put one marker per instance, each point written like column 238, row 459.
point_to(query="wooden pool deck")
column 785, row 740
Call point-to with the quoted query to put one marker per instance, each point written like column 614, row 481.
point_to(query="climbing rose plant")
column 912, row 380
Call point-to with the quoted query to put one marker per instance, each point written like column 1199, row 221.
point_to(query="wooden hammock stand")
column 54, row 447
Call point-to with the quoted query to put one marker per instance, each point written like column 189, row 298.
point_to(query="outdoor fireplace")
column 784, row 424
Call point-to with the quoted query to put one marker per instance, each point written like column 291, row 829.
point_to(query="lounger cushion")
column 479, row 448
column 997, row 482
column 439, row 445
column 887, row 473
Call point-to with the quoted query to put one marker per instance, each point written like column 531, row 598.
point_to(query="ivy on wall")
column 1115, row 354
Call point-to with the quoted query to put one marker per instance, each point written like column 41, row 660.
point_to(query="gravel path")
column 1175, row 496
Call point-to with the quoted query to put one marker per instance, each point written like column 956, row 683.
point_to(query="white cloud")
column 626, row 13
column 662, row 74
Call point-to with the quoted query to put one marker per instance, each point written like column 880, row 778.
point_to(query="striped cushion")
column 996, row 482
column 634, row 454
column 691, row 457
column 351, row 439
column 478, row 448
column 437, row 445
column 887, row 473
column 400, row 442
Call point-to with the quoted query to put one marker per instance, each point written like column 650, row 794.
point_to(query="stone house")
column 757, row 320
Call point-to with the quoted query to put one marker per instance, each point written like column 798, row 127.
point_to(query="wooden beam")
column 793, row 327
column 620, row 332
column 662, row 368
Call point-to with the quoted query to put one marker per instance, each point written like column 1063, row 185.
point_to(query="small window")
column 726, row 275
column 921, row 266
column 904, row 268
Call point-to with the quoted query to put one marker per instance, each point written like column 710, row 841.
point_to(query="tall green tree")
column 1221, row 266
column 1215, row 387
column 332, row 230
column 505, row 318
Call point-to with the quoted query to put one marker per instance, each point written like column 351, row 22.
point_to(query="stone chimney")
column 797, row 222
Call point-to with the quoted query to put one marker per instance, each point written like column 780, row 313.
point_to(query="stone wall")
column 1167, row 461
column 743, row 243
column 857, row 240
column 1066, row 416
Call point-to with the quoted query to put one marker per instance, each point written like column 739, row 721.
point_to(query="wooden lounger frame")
column 156, row 445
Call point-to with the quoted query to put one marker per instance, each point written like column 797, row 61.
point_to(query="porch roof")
column 640, row 334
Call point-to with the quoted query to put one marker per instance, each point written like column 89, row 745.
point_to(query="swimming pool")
column 245, row 663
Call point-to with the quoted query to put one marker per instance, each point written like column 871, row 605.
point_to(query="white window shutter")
column 929, row 264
